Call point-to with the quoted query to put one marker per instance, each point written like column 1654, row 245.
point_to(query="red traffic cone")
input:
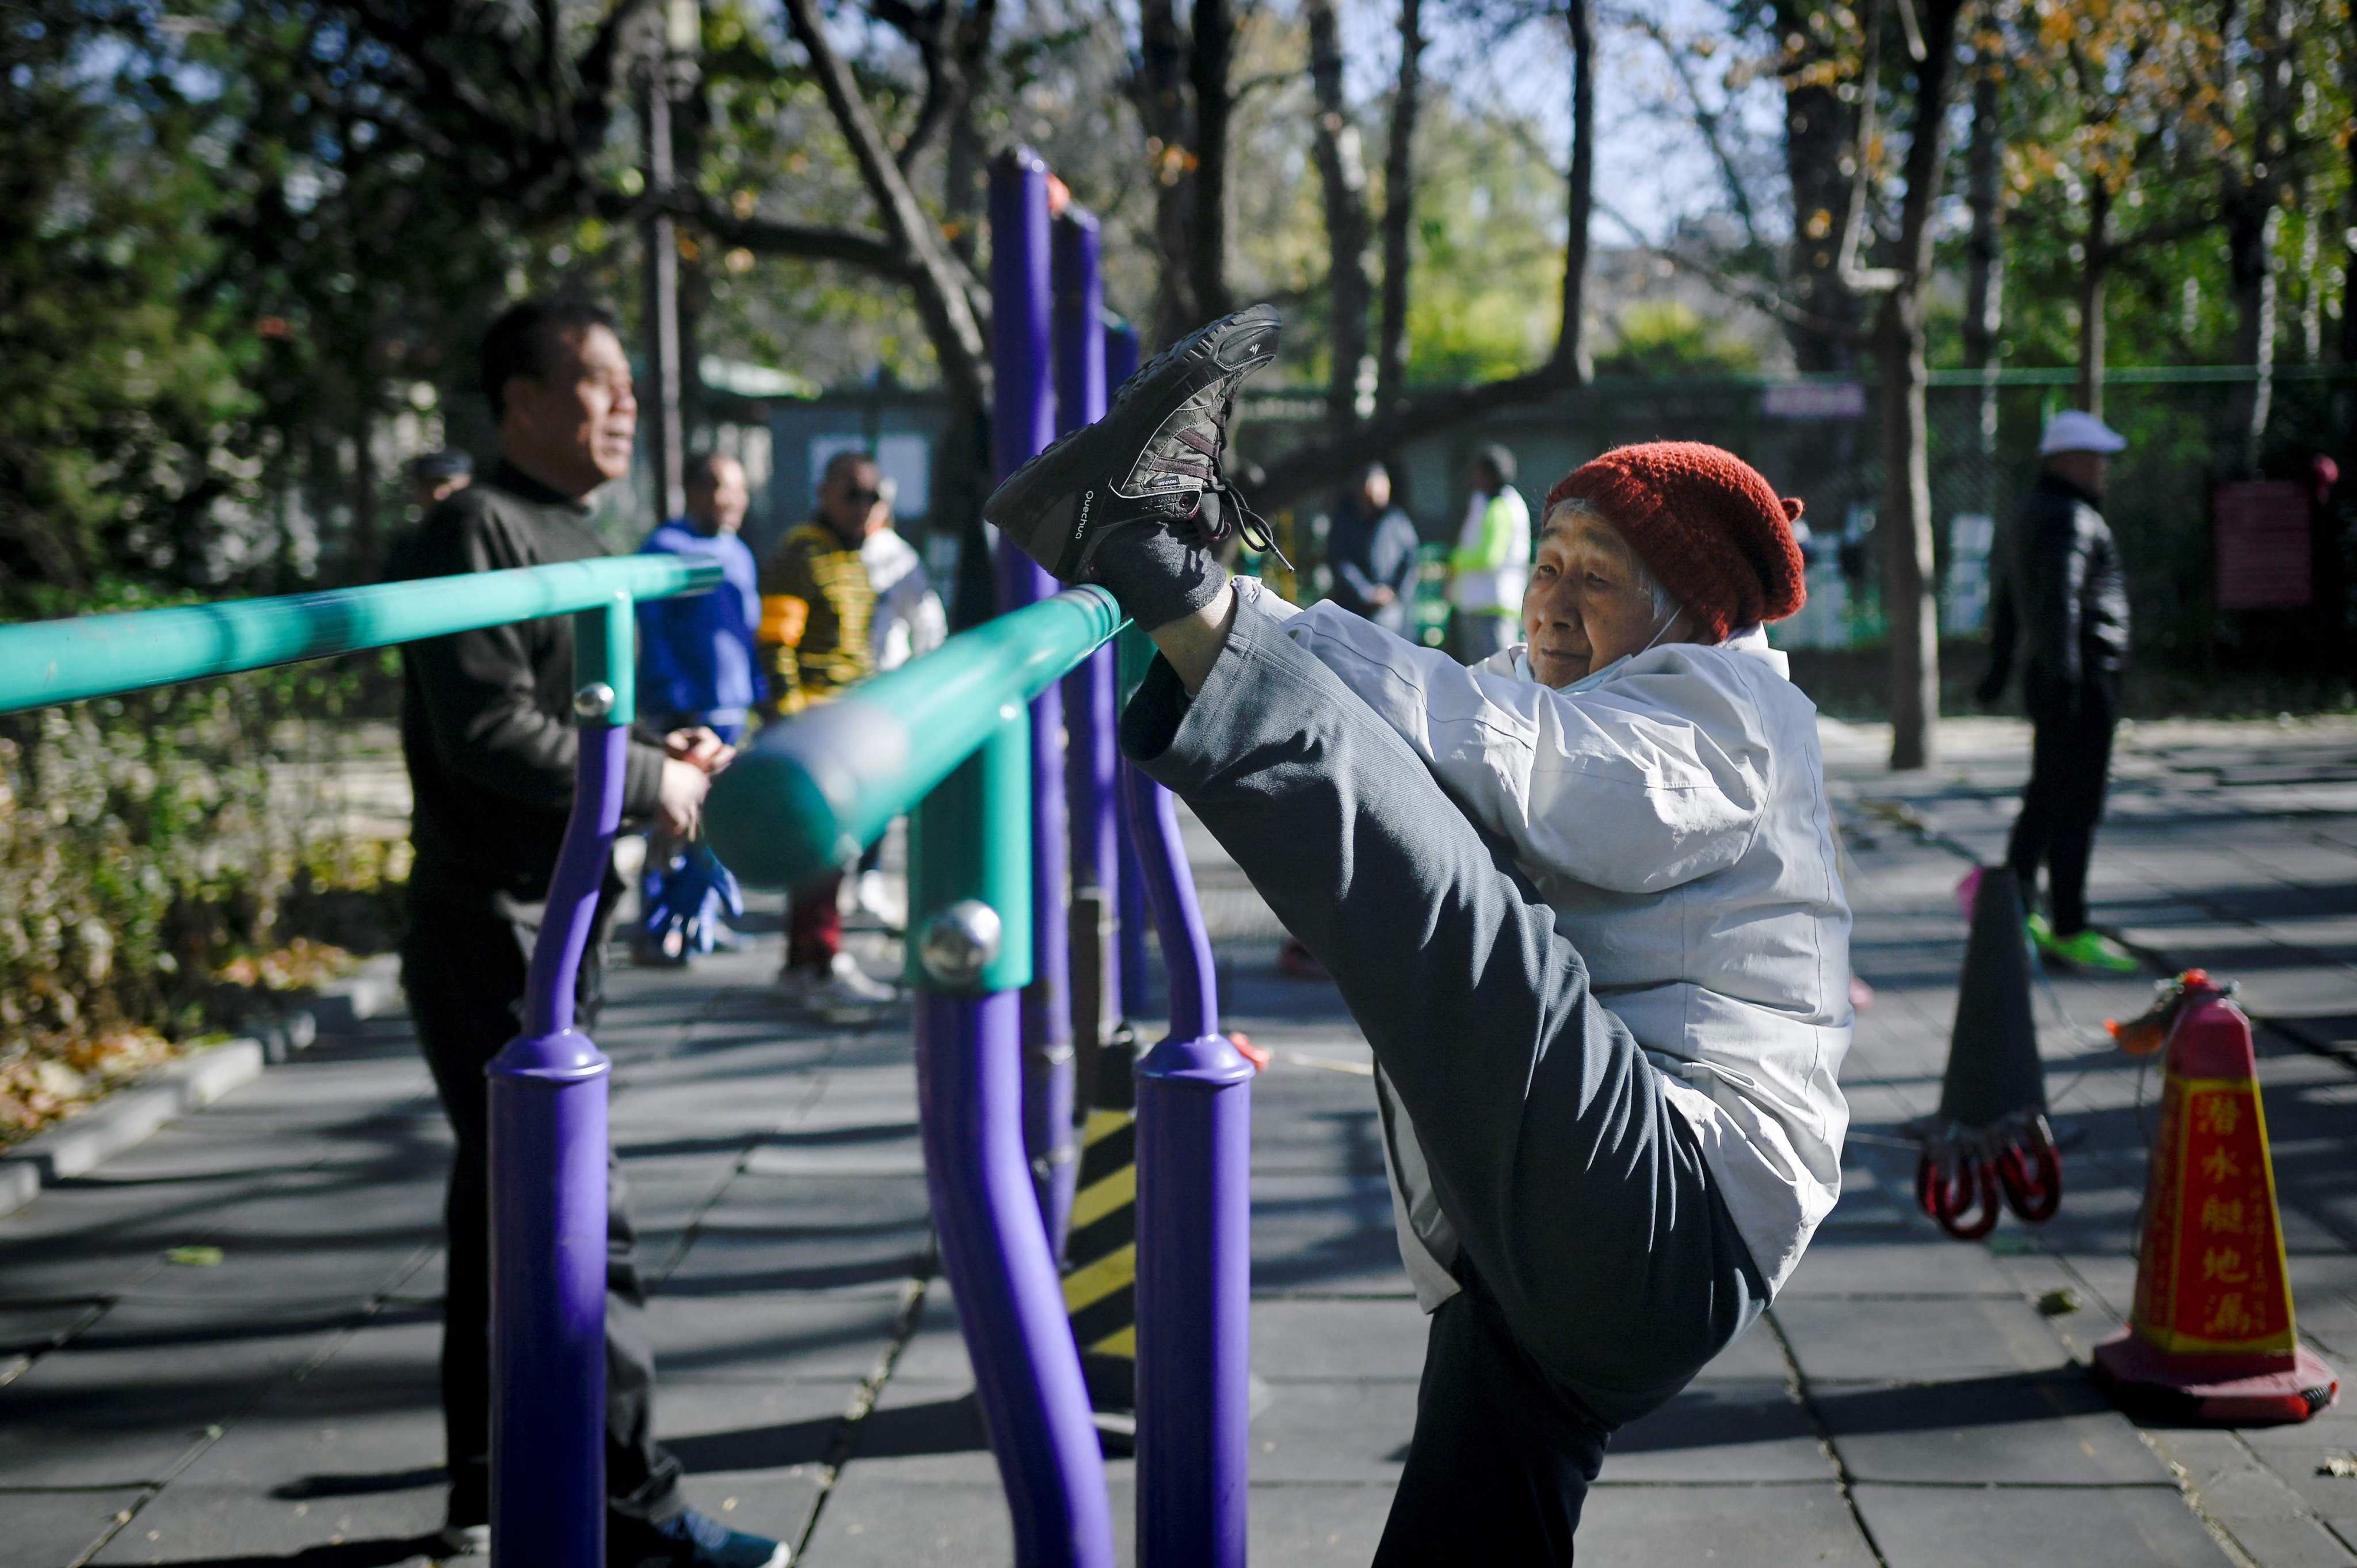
column 2212, row 1337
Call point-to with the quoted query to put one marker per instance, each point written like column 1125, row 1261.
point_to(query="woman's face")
column 1586, row 605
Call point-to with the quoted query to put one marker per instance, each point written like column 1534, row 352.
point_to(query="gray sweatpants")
column 1585, row 1209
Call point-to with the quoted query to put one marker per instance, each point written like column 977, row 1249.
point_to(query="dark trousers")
column 2070, row 767
column 814, row 923
column 1500, row 1466
column 463, row 965
column 1600, row 1266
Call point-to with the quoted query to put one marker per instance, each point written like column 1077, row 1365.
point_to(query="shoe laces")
column 1209, row 468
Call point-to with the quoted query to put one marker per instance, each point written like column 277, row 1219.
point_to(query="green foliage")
column 1487, row 287
column 124, row 441
column 1669, row 337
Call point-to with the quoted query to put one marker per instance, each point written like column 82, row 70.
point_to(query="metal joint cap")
column 960, row 942
column 594, row 700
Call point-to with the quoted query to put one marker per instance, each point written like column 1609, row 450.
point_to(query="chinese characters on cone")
column 2213, row 1336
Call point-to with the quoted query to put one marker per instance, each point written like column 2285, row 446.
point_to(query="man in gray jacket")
column 2058, row 584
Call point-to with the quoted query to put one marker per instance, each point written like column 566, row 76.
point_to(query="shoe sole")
column 1024, row 508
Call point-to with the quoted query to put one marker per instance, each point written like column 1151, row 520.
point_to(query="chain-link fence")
column 1819, row 439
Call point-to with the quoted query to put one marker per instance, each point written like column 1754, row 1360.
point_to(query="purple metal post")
column 969, row 853
column 1129, row 885
column 1022, row 423
column 995, row 1251
column 1194, row 1234
column 547, row 1169
column 1092, row 755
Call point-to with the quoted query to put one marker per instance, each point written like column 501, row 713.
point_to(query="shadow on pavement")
column 942, row 1426
column 341, row 1554
column 363, row 1484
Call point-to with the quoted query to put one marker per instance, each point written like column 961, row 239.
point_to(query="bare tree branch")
column 1708, row 121
column 1307, row 469
column 938, row 281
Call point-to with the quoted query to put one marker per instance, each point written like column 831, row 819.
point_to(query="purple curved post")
column 1194, row 1234
column 969, row 854
column 1093, row 754
column 1129, row 890
column 995, row 1251
column 1022, row 423
column 547, row 1170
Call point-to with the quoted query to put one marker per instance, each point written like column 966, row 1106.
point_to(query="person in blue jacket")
column 696, row 658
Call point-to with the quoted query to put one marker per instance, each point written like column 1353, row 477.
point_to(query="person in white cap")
column 2058, row 587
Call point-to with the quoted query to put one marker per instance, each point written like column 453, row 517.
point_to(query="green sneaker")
column 2090, row 948
column 2042, row 930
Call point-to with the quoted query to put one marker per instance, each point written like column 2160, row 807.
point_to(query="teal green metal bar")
column 605, row 640
column 807, row 794
column 970, row 839
column 95, row 656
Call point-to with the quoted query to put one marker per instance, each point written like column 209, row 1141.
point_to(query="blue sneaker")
column 692, row 1540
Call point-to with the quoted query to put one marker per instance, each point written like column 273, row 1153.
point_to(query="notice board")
column 2261, row 528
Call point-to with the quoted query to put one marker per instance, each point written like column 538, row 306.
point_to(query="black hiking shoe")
column 1154, row 459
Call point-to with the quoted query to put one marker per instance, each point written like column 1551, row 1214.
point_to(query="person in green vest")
column 1492, row 563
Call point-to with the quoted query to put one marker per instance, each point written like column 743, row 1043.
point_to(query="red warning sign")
column 2212, row 1275
column 2263, row 548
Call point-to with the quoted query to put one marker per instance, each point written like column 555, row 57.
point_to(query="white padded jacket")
column 1675, row 816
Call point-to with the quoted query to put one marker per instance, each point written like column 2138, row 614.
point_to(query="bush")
column 165, row 856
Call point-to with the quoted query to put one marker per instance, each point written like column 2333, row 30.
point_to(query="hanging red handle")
column 1949, row 1199
column 2031, row 1173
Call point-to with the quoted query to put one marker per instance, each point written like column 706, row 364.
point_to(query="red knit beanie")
column 1704, row 522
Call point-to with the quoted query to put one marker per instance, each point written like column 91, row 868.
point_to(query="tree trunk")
column 1906, row 518
column 964, row 163
column 2349, row 239
column 2253, row 207
column 1399, row 211
column 1985, row 264
column 661, row 271
column 1160, row 90
column 1209, row 64
column 1817, row 141
column 360, row 563
column 1571, row 352
column 2251, row 273
column 1906, row 535
column 1342, row 178
column 2094, row 284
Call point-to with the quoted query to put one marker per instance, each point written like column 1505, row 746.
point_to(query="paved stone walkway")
column 1907, row 1403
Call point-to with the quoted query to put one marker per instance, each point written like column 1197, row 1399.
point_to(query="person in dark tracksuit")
column 487, row 729
column 1373, row 552
column 2057, row 584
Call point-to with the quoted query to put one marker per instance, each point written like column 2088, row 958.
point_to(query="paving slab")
column 46, row 1530
column 1976, row 1527
column 2022, row 1431
column 1838, row 1340
column 772, row 1335
column 1358, row 1339
column 871, row 1520
column 1724, row 1431
column 1744, row 1526
column 1893, row 1261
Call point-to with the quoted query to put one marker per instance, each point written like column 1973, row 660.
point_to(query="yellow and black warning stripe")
column 1101, row 1256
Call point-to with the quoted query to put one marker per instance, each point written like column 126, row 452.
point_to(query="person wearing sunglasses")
column 818, row 610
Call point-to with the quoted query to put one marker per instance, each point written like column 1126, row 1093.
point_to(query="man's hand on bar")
column 700, row 748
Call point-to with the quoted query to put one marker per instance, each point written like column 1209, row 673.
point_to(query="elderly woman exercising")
column 1581, row 897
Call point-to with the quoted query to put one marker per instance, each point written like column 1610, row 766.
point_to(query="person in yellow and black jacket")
column 817, row 608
